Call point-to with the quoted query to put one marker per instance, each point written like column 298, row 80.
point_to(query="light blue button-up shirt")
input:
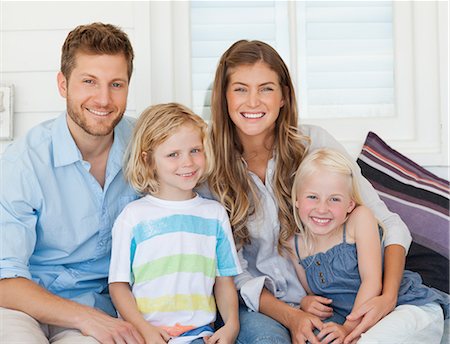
column 55, row 218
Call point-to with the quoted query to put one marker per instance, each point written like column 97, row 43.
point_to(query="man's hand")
column 108, row 330
column 317, row 305
column 369, row 313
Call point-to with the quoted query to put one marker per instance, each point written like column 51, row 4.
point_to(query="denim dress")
column 334, row 274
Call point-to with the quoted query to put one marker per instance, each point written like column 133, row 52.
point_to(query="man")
column 61, row 188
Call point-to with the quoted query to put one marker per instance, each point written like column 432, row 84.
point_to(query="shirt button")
column 318, row 263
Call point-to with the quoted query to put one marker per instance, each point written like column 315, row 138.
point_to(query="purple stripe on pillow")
column 411, row 199
column 400, row 176
column 393, row 158
column 414, row 218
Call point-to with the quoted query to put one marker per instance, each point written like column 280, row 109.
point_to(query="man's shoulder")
column 37, row 141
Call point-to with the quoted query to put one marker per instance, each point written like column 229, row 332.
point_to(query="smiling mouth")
column 321, row 221
column 99, row 113
column 190, row 174
column 253, row 115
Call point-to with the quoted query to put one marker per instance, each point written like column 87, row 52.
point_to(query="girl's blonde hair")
column 231, row 183
column 154, row 126
column 329, row 160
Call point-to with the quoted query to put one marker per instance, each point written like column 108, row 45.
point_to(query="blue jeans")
column 259, row 328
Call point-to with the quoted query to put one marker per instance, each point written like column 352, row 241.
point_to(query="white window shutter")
column 215, row 25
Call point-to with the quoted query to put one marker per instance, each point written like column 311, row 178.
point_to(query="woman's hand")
column 301, row 325
column 332, row 333
column 317, row 305
column 369, row 313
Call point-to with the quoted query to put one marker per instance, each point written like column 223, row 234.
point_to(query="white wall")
column 32, row 33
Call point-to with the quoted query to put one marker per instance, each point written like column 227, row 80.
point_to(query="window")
column 358, row 66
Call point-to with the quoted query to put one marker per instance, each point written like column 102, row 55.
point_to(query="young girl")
column 338, row 256
column 171, row 248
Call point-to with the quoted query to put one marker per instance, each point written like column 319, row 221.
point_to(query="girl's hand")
column 332, row 333
column 155, row 335
column 317, row 305
column 369, row 313
column 227, row 334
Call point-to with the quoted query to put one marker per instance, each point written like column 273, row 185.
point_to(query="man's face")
column 96, row 93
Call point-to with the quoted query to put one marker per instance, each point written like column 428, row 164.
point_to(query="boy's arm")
column 227, row 303
column 126, row 305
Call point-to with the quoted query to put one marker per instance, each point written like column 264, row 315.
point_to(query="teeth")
column 252, row 115
column 98, row 113
column 186, row 174
column 322, row 221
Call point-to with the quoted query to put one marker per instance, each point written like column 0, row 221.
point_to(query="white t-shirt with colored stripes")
column 170, row 253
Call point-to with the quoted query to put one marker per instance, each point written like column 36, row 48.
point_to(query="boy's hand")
column 227, row 334
column 332, row 333
column 155, row 335
column 317, row 306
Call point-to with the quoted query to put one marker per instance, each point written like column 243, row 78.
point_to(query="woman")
column 258, row 146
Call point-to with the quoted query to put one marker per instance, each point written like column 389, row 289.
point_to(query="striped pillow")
column 422, row 201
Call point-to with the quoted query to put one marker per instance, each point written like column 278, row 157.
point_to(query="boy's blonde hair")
column 329, row 160
column 154, row 126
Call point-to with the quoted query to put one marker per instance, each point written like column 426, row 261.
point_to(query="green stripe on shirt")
column 175, row 264
column 178, row 302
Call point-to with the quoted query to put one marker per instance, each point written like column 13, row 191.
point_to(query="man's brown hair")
column 95, row 39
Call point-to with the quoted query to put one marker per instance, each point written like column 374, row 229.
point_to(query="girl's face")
column 323, row 202
column 179, row 163
column 254, row 97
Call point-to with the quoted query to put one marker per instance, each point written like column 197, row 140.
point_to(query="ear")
column 144, row 156
column 297, row 204
column 351, row 206
column 62, row 84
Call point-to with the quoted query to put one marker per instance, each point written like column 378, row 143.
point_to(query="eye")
column 239, row 89
column 266, row 89
column 116, row 84
column 311, row 197
column 335, row 199
column 196, row 150
column 172, row 155
column 88, row 81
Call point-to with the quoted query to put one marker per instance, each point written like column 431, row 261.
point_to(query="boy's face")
column 96, row 93
column 324, row 201
column 179, row 163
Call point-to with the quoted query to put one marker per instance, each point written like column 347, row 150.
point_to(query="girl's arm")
column 363, row 227
column 378, row 307
column 126, row 305
column 227, row 303
column 316, row 305
column 368, row 246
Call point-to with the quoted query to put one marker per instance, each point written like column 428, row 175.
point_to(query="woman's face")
column 254, row 97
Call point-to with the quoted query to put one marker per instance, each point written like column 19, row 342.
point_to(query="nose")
column 187, row 160
column 322, row 207
column 103, row 96
column 253, row 98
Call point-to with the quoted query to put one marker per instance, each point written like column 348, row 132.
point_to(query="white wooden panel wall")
column 32, row 34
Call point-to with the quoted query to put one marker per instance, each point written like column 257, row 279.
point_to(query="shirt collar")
column 66, row 152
